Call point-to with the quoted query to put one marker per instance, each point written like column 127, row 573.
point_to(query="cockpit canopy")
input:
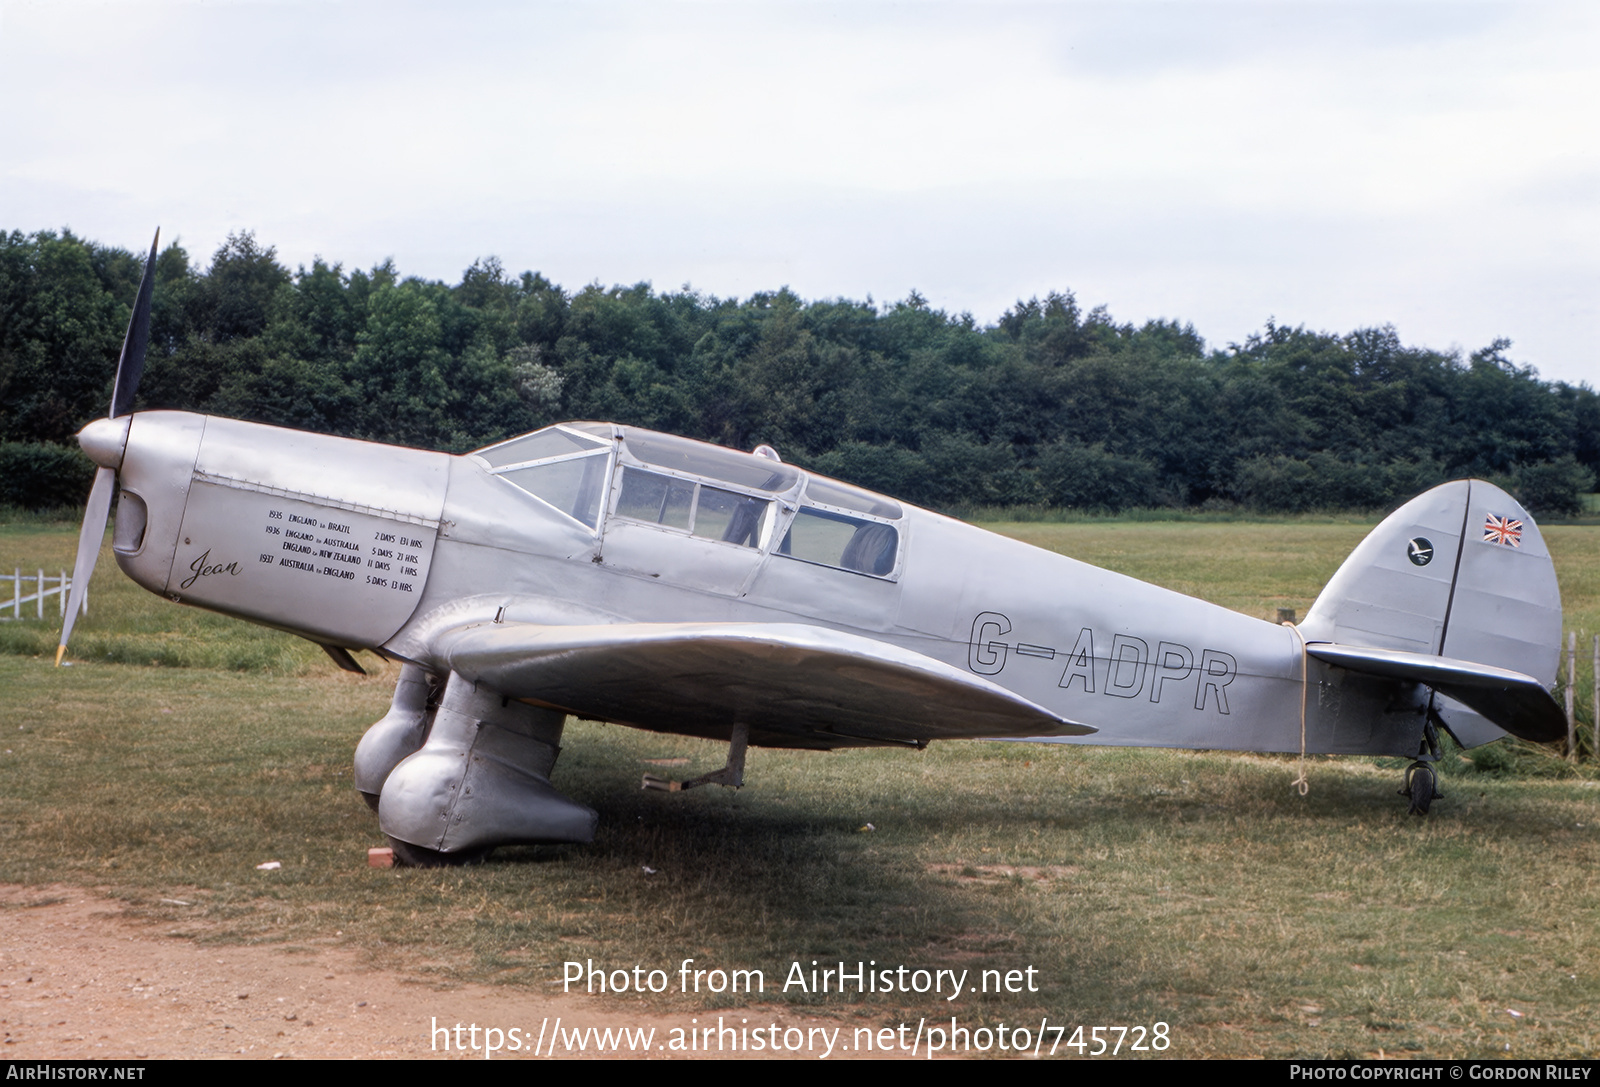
column 594, row 471
column 562, row 466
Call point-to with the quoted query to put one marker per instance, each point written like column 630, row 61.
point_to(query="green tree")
column 397, row 370
column 60, row 332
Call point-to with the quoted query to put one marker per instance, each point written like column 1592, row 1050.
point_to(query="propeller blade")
column 89, row 541
column 130, row 367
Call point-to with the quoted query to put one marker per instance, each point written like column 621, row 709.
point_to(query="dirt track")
column 78, row 979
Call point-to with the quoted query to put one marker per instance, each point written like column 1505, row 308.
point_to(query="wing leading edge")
column 793, row 685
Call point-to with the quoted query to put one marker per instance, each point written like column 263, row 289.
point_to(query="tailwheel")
column 417, row 856
column 1421, row 786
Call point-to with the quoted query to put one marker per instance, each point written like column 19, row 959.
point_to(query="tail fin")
column 1459, row 573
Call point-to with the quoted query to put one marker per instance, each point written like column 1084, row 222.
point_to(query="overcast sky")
column 1431, row 165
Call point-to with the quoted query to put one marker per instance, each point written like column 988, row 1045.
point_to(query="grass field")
column 1195, row 889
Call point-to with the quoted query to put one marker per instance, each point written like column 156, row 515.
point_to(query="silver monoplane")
column 623, row 575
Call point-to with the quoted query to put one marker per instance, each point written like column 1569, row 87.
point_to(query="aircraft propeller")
column 105, row 443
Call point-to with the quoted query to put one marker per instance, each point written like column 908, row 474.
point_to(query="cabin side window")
column 699, row 509
column 830, row 538
column 656, row 499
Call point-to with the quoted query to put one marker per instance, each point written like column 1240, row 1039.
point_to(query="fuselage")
column 360, row 545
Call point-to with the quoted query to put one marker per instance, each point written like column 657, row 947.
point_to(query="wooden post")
column 38, row 585
column 16, row 594
column 1572, row 679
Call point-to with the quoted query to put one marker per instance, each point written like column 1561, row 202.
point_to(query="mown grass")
column 127, row 625
column 1197, row 889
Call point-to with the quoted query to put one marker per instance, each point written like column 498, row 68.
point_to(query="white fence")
column 1573, row 654
column 14, row 596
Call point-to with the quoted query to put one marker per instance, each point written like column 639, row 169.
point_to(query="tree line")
column 1049, row 406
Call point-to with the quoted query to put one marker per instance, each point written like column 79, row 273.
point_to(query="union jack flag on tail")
column 1502, row 530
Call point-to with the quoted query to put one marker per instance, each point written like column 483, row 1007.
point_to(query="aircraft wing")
column 793, row 685
column 1516, row 702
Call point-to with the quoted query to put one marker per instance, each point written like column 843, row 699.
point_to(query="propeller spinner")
column 104, row 441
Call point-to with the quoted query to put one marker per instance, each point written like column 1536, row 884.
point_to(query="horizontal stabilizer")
column 1515, row 702
column 793, row 685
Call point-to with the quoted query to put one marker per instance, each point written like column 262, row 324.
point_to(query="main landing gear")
column 461, row 770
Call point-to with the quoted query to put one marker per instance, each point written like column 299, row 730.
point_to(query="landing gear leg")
column 482, row 779
column 402, row 730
